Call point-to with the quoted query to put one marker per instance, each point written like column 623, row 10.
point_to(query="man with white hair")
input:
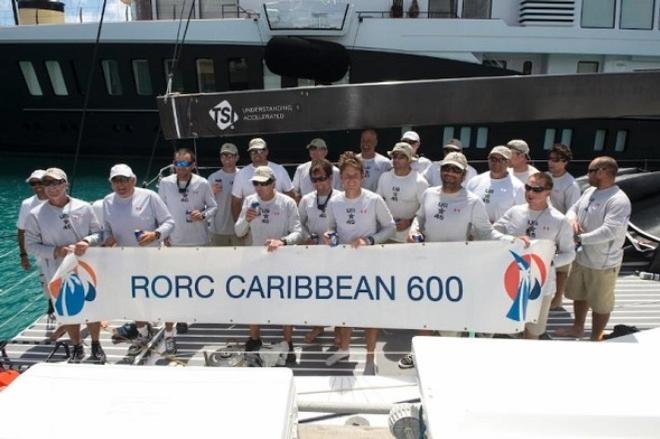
column 302, row 184
column 519, row 160
column 422, row 163
column 432, row 174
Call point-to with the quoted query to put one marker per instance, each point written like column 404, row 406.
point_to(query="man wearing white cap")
column 258, row 151
column 519, row 161
column 432, row 174
column 449, row 213
column 422, row 163
column 127, row 210
column 402, row 189
column 55, row 228
column 302, row 184
column 222, row 183
column 497, row 188
column 374, row 163
column 268, row 219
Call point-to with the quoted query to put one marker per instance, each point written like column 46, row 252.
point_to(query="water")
column 21, row 297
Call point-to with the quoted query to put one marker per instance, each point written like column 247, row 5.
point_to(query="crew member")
column 222, row 183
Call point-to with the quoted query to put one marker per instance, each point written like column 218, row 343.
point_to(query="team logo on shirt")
column 442, row 208
column 487, row 193
column 265, row 215
column 73, row 289
column 351, row 215
column 224, row 115
column 523, row 281
column 395, row 193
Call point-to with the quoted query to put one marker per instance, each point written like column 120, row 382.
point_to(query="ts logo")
column 223, row 115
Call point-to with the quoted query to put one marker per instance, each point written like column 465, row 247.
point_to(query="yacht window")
column 549, row 138
column 447, row 134
column 205, row 75
column 56, row 78
column 443, row 8
column 527, row 68
column 177, row 79
column 476, row 8
column 111, row 75
column 142, row 77
column 271, row 80
column 587, row 67
column 238, row 73
column 621, row 137
column 599, row 140
column 598, row 13
column 482, row 137
column 567, row 136
column 466, row 134
column 30, row 78
column 636, row 14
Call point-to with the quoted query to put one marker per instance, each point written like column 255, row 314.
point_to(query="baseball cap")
column 37, row 174
column 317, row 143
column 56, row 174
column 263, row 174
column 257, row 143
column 121, row 170
column 454, row 145
column 403, row 148
column 410, row 135
column 228, row 148
column 501, row 150
column 456, row 159
column 519, row 146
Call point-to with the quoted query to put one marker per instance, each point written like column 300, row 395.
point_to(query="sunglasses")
column 535, row 189
column 183, row 163
column 36, row 183
column 496, row 159
column 452, row 169
column 318, row 179
column 399, row 157
column 593, row 170
column 555, row 159
column 121, row 179
column 49, row 183
column 257, row 151
column 262, row 183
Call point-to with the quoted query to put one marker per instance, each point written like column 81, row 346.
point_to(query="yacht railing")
column 416, row 14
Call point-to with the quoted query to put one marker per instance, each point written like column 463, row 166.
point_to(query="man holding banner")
column 268, row 218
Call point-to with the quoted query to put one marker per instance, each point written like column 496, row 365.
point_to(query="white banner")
column 484, row 286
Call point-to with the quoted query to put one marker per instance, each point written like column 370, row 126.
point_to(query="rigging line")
column 170, row 75
column 88, row 92
column 13, row 287
column 6, row 322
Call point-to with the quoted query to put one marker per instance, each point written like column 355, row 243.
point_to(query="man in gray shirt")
column 599, row 220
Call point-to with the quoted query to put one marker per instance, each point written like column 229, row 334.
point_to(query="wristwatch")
column 157, row 234
column 371, row 240
column 284, row 241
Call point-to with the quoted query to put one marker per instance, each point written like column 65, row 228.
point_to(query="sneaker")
column 336, row 357
column 291, row 356
column 138, row 345
column 78, row 354
column 370, row 369
column 406, row 362
column 97, row 353
column 170, row 346
column 253, row 344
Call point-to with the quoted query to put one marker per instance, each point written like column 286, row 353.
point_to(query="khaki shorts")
column 537, row 329
column 564, row 269
column 224, row 240
column 594, row 286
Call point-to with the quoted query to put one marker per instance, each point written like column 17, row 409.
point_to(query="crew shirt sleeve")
column 419, row 223
column 572, row 194
column 34, row 241
column 95, row 235
column 107, row 227
column 385, row 220
column 296, row 179
column 287, row 186
column 332, row 221
column 163, row 217
column 209, row 201
column 295, row 235
column 572, row 212
column 481, row 227
column 242, row 226
column 237, row 188
column 614, row 223
column 565, row 245
column 302, row 214
column 422, row 185
column 22, row 215
column 427, row 173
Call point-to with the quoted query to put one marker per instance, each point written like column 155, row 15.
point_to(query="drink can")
column 138, row 234
column 418, row 237
column 334, row 241
column 188, row 217
column 255, row 206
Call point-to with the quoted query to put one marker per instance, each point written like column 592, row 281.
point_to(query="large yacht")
column 228, row 46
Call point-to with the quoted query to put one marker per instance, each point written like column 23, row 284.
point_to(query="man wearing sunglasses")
column 421, row 163
column 268, row 218
column 432, row 174
column 59, row 226
column 302, row 184
column 258, row 151
column 374, row 163
column 599, row 219
column 565, row 193
column 497, row 188
column 126, row 210
column 402, row 189
column 537, row 219
column 519, row 161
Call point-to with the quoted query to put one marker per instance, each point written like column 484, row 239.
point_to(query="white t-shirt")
column 144, row 210
column 361, row 217
column 26, row 206
column 222, row 223
column 197, row 196
column 565, row 192
column 278, row 218
column 303, row 184
column 603, row 215
column 453, row 217
column 523, row 176
column 499, row 195
column 313, row 213
column 48, row 227
column 243, row 185
column 403, row 196
column 373, row 168
column 420, row 165
column 432, row 175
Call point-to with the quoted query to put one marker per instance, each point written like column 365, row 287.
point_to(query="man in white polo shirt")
column 421, row 163
column 374, row 163
column 222, row 183
column 258, row 152
column 519, row 161
column 318, row 150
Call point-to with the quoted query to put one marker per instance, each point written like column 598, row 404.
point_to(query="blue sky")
column 91, row 9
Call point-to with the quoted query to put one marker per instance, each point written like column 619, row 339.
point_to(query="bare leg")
column 599, row 321
column 74, row 333
column 345, row 337
column 559, row 294
column 287, row 333
column 94, row 330
column 425, row 332
column 529, row 336
column 313, row 333
column 255, row 331
column 371, row 335
column 337, row 331
column 581, row 307
column 169, row 326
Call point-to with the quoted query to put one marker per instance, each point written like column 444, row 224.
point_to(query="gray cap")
column 455, row 159
column 403, row 148
column 454, row 145
column 501, row 150
column 317, row 143
column 519, row 145
column 56, row 174
column 37, row 174
column 262, row 174
column 257, row 143
column 121, row 170
column 228, row 148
